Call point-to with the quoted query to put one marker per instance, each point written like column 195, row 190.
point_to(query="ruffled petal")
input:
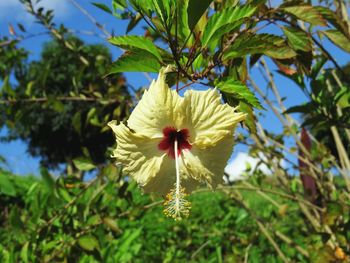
column 159, row 107
column 208, row 120
column 151, row 168
column 208, row 165
column 139, row 154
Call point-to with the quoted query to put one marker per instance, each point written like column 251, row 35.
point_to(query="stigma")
column 170, row 135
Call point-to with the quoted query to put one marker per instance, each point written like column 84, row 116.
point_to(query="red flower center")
column 168, row 141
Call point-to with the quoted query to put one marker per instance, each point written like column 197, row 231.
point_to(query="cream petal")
column 139, row 154
column 165, row 179
column 152, row 169
column 159, row 107
column 208, row 165
column 208, row 120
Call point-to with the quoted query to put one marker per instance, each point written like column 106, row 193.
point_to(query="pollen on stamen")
column 176, row 205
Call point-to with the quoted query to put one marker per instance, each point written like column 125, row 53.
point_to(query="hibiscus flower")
column 171, row 144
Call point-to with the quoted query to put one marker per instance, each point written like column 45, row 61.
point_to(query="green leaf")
column 333, row 19
column 306, row 13
column 195, row 10
column 162, row 8
column 225, row 21
column 102, row 7
column 119, row 5
column 112, row 224
column 338, row 39
column 6, row 185
column 83, row 164
column 183, row 30
column 270, row 45
column 250, row 120
column 304, row 108
column 47, row 178
column 135, row 62
column 133, row 22
column 88, row 242
column 24, row 252
column 297, row 39
column 136, row 42
column 240, row 92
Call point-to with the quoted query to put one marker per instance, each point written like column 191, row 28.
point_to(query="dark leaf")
column 195, row 10
column 103, row 7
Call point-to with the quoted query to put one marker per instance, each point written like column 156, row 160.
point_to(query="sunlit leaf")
column 267, row 44
column 333, row 19
column 338, row 39
column 6, row 185
column 83, row 164
column 88, row 242
column 135, row 42
column 135, row 62
column 297, row 39
column 306, row 13
column 240, row 91
column 225, row 21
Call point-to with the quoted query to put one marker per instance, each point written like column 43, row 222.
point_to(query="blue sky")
column 12, row 12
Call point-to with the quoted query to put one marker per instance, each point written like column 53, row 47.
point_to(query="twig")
column 200, row 248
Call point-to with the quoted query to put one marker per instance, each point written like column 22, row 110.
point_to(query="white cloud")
column 12, row 11
column 236, row 168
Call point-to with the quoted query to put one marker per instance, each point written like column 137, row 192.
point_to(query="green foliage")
column 62, row 104
column 111, row 221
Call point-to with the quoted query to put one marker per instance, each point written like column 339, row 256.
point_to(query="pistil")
column 175, row 202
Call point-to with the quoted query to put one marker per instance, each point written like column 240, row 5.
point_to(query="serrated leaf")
column 103, row 7
column 195, row 10
column 135, row 62
column 83, row 164
column 162, row 8
column 280, row 52
column 297, row 39
column 225, row 21
column 267, row 44
column 88, row 242
column 338, row 39
column 240, row 91
column 136, row 42
column 306, row 13
column 333, row 19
